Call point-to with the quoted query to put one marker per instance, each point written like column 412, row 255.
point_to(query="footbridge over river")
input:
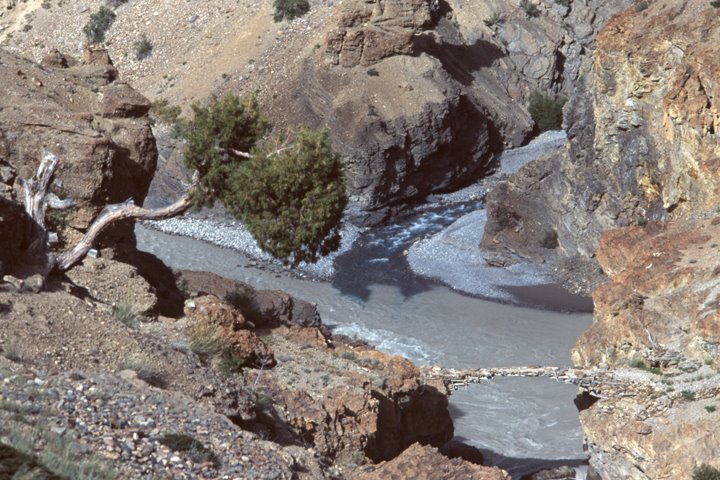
column 589, row 380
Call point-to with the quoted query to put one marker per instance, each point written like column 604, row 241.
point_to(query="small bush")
column 125, row 313
column 165, row 112
column 373, row 72
column 206, row 342
column 642, row 366
column 99, row 24
column 530, row 9
column 710, row 408
column 546, row 111
column 495, row 19
column 640, row 6
column 290, row 9
column 143, row 48
column 706, row 472
column 564, row 3
column 715, row 3
column 688, row 395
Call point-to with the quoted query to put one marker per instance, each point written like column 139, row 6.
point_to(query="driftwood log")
column 38, row 200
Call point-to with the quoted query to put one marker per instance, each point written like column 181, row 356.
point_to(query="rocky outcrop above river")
column 659, row 320
column 643, row 141
column 420, row 95
column 97, row 126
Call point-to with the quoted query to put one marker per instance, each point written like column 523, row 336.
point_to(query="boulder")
column 426, row 462
column 224, row 333
column 99, row 130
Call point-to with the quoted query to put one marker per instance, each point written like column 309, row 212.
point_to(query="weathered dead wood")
column 113, row 213
column 38, row 200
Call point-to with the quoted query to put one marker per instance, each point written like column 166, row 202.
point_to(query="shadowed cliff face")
column 643, row 141
column 420, row 95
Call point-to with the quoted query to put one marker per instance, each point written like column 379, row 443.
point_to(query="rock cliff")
column 656, row 320
column 97, row 126
column 643, row 141
column 420, row 95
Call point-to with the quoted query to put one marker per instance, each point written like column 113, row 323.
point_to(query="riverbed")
column 384, row 287
column 519, row 423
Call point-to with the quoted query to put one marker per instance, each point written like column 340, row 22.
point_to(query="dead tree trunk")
column 38, row 199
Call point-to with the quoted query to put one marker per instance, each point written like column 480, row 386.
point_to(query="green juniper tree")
column 289, row 190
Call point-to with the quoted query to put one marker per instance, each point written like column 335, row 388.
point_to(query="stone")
column 102, row 160
column 426, row 462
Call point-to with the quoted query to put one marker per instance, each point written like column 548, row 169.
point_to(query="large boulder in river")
column 97, row 126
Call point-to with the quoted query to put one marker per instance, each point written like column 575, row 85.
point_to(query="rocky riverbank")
column 115, row 389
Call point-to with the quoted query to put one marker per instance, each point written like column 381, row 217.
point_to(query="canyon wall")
column 419, row 96
column 657, row 324
column 643, row 144
column 631, row 198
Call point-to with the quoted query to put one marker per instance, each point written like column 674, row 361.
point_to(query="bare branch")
column 121, row 211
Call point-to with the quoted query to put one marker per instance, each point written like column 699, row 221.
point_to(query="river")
column 520, row 424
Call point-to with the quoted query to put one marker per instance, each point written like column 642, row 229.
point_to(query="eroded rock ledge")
column 643, row 142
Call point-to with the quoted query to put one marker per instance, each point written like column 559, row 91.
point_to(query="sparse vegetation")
column 99, row 24
column 530, row 9
column 564, row 3
column 546, row 111
column 642, row 366
column 194, row 449
column 705, row 472
column 290, row 9
column 640, row 6
column 143, row 48
column 715, row 3
column 125, row 312
column 688, row 395
column 165, row 112
column 206, row 342
column 347, row 355
column 58, row 458
column 550, row 240
column 495, row 19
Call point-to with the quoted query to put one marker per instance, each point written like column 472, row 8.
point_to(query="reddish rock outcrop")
column 644, row 141
column 226, row 333
column 657, row 323
column 98, row 129
column 426, row 462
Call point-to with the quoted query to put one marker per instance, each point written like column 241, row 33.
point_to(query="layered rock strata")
column 657, row 323
column 643, row 142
